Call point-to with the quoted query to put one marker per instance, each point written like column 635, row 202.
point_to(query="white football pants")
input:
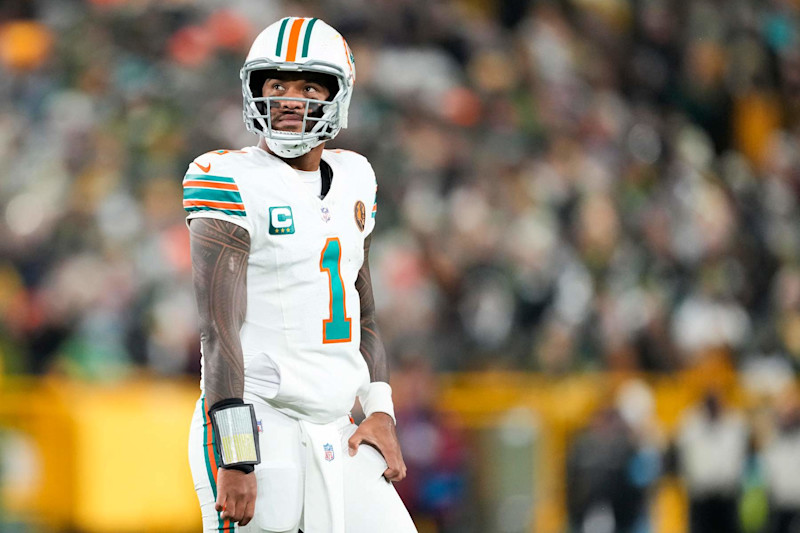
column 306, row 480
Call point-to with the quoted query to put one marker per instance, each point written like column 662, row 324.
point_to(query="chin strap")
column 290, row 149
column 326, row 173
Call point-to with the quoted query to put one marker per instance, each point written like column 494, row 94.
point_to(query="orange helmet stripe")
column 294, row 37
column 347, row 55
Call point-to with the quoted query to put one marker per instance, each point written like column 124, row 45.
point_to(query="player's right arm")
column 220, row 250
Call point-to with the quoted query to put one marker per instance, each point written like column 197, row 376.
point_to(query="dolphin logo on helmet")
column 296, row 44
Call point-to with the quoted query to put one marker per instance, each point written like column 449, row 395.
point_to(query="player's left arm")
column 378, row 429
column 372, row 348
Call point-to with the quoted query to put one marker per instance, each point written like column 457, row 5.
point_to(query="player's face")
column 287, row 115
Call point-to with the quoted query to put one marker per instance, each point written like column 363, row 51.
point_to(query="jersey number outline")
column 338, row 327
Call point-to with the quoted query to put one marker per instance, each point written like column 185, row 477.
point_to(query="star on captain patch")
column 361, row 215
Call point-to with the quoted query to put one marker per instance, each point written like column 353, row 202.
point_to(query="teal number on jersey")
column 337, row 327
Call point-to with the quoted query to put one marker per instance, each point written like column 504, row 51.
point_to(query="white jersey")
column 303, row 310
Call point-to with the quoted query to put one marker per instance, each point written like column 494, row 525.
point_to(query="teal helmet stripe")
column 307, row 41
column 280, row 36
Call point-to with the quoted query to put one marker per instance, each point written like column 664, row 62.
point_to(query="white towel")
column 324, row 483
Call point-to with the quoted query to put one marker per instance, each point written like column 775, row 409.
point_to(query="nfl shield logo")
column 326, row 214
column 328, row 452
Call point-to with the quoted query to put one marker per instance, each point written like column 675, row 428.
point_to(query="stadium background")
column 587, row 228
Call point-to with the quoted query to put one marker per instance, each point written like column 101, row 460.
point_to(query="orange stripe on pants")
column 225, row 525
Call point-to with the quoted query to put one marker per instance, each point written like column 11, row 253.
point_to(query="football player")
column 280, row 236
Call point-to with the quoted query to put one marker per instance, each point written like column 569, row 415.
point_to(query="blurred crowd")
column 739, row 467
column 563, row 185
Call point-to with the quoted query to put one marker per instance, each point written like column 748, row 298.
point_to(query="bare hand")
column 378, row 431
column 236, row 495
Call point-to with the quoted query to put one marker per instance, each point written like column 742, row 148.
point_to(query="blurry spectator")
column 608, row 478
column 712, row 452
column 435, row 488
column 636, row 405
column 781, row 459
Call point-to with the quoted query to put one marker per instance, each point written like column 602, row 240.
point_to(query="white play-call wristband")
column 236, row 434
column 378, row 399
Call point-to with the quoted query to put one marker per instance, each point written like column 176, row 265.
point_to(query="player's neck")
column 308, row 161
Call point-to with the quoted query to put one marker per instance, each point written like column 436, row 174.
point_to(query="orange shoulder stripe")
column 209, row 203
column 211, row 185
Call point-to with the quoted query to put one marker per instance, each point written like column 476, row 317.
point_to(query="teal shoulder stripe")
column 234, row 212
column 215, row 195
column 208, row 177
column 309, row 27
column 280, row 36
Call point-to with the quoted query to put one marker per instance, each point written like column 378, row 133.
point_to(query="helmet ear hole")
column 262, row 108
column 256, row 85
column 332, row 84
column 257, row 80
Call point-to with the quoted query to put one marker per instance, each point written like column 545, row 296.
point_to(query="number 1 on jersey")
column 337, row 328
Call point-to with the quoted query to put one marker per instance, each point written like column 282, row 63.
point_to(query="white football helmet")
column 299, row 45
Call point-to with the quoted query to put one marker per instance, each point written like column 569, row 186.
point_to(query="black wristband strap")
column 247, row 469
column 225, row 403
